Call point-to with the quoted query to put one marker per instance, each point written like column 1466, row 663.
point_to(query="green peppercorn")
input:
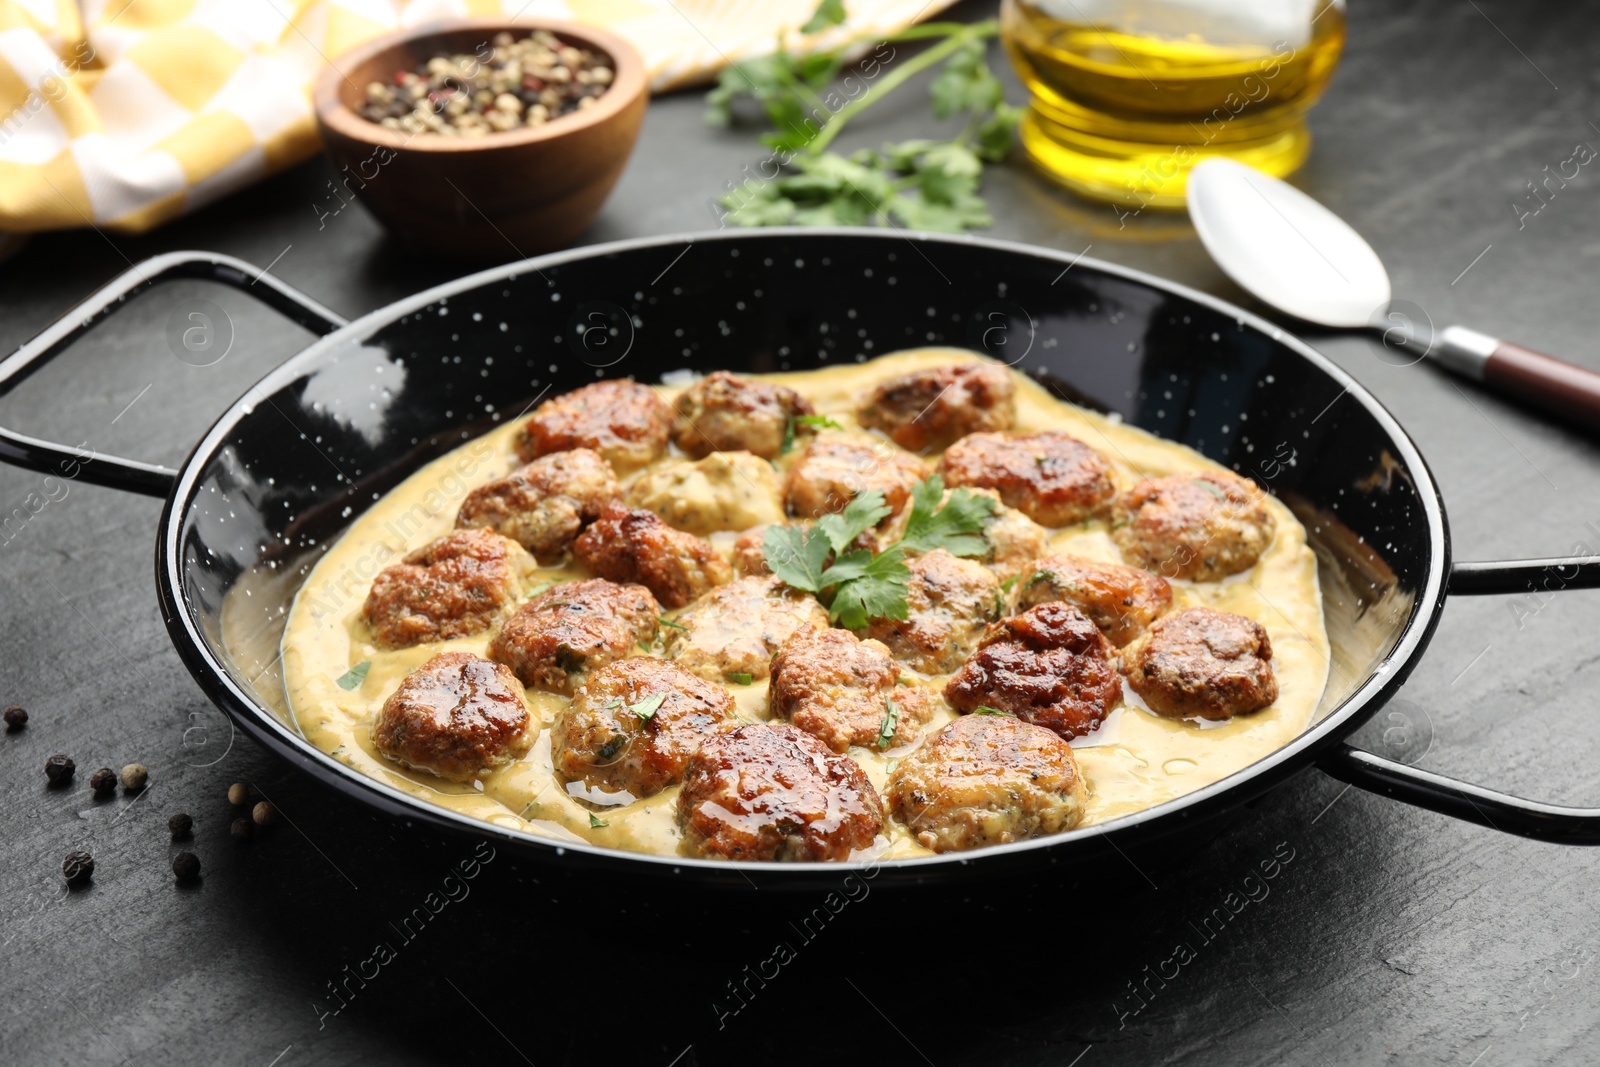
column 78, row 868
column 16, row 717
column 181, row 825
column 103, row 782
column 58, row 769
column 186, row 865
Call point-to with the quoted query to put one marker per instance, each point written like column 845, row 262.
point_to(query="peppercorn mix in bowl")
column 482, row 139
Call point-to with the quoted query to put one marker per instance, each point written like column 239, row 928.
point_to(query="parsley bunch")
column 858, row 585
column 921, row 184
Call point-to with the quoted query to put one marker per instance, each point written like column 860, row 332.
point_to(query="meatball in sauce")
column 834, row 468
column 733, row 631
column 556, row 639
column 949, row 601
column 1122, row 601
column 928, row 410
column 633, row 545
column 774, row 792
column 1203, row 664
column 633, row 725
column 453, row 586
column 987, row 780
column 623, row 421
column 1049, row 666
column 543, row 505
column 1202, row 526
column 845, row 691
column 1051, row 477
column 457, row 716
column 723, row 412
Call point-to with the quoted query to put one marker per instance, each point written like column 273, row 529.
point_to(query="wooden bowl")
column 491, row 198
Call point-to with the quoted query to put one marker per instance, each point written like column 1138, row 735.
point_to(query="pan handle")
column 129, row 474
column 1463, row 800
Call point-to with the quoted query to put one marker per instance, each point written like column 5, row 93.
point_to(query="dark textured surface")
column 1391, row 934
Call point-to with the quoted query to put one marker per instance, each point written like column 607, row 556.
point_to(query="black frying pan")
column 288, row 466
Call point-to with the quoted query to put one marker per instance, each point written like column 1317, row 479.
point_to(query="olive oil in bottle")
column 1127, row 95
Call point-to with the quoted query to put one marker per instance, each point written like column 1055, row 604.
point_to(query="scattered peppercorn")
column 181, row 825
column 239, row 794
column 186, row 865
column 518, row 83
column 134, row 776
column 242, row 829
column 103, row 782
column 78, row 868
column 16, row 717
column 264, row 814
column 58, row 769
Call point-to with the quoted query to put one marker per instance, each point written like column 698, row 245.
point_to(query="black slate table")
column 1388, row 934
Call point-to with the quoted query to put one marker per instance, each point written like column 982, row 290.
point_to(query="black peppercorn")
column 186, row 865
column 16, row 717
column 78, row 868
column 58, row 769
column 180, row 825
column 103, row 782
column 242, row 829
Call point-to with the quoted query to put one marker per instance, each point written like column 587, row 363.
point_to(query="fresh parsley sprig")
column 859, row 585
column 921, row 184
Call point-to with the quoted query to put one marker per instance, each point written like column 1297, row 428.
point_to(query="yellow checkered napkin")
column 126, row 113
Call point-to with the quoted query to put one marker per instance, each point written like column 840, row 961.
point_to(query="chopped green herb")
column 984, row 709
column 1119, row 524
column 1000, row 594
column 1214, row 490
column 643, row 647
column 596, row 822
column 612, row 704
column 891, row 719
column 612, row 747
column 956, row 526
column 796, row 421
column 352, row 678
column 738, row 677
column 647, row 707
column 664, row 621
column 1041, row 576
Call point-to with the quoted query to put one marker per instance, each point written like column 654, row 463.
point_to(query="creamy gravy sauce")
column 1134, row 761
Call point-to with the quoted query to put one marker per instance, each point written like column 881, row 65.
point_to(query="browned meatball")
column 1204, row 664
column 457, row 716
column 633, row 545
column 733, row 630
column 837, row 466
column 1049, row 666
column 723, row 412
column 633, row 725
column 624, row 421
column 833, row 684
column 1122, row 601
column 772, row 792
column 554, row 641
column 931, row 409
column 1201, row 526
column 949, row 602
column 749, row 555
column 1052, row 477
column 543, row 505
column 453, row 586
column 987, row 780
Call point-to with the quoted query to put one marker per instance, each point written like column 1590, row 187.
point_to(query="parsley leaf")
column 796, row 554
column 984, row 709
column 828, row 13
column 1000, row 595
column 796, row 421
column 647, row 707
column 956, row 527
column 879, row 592
column 865, row 510
column 352, row 678
column 596, row 822
column 891, row 719
column 664, row 621
column 738, row 677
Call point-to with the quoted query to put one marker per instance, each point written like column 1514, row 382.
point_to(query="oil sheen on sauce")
column 1134, row 761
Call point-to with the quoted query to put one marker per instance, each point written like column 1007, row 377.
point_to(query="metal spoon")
column 1301, row 258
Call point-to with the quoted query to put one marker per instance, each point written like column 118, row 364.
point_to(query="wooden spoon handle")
column 1563, row 388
